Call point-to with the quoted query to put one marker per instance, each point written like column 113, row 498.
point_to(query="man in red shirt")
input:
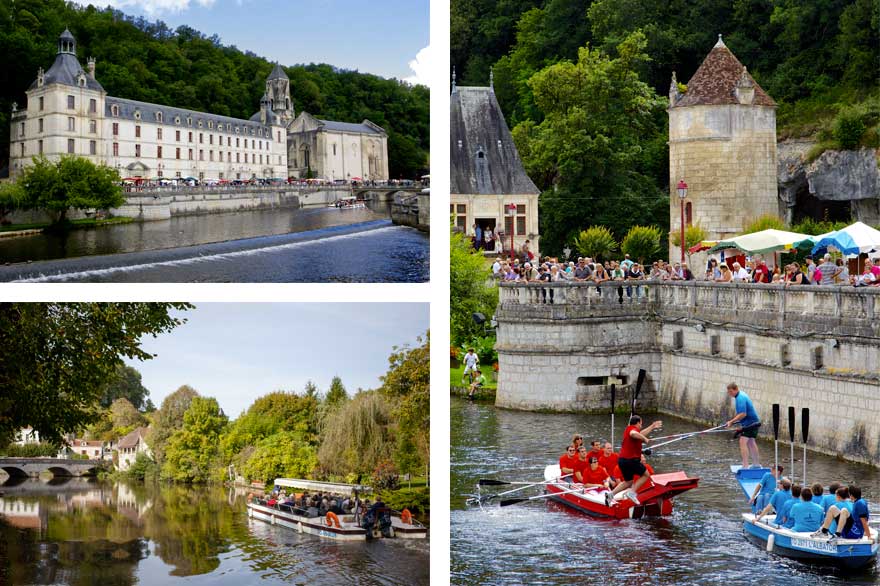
column 594, row 476
column 567, row 462
column 761, row 274
column 630, row 458
column 608, row 459
column 595, row 449
column 580, row 464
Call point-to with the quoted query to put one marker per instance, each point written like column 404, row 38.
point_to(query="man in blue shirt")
column 807, row 515
column 857, row 523
column 835, row 518
column 784, row 518
column 747, row 417
column 777, row 500
column 829, row 499
column 764, row 491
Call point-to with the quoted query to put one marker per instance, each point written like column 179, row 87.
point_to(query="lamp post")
column 511, row 211
column 682, row 193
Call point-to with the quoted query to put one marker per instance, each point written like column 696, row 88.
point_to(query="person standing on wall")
column 747, row 417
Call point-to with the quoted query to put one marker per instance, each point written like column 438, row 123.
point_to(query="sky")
column 384, row 37
column 236, row 352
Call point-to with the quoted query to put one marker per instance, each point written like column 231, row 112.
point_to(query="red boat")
column 656, row 496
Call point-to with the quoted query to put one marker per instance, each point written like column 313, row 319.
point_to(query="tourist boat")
column 331, row 525
column 846, row 553
column 348, row 203
column 655, row 497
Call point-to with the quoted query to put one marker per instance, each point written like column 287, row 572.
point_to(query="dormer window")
column 81, row 80
column 189, row 121
column 159, row 117
column 481, row 154
column 499, row 143
column 210, row 125
column 137, row 114
column 114, row 111
column 237, row 130
column 177, row 119
column 459, row 144
column 200, row 123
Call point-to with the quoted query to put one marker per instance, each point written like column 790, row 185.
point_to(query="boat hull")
column 347, row 531
column 846, row 553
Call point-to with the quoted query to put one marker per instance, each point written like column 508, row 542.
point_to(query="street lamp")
column 682, row 193
column 511, row 211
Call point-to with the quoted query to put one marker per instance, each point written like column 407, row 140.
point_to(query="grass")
column 74, row 224
column 455, row 376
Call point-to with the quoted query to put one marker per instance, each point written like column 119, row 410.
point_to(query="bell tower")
column 278, row 94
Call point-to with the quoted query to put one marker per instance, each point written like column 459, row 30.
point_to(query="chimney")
column 92, row 66
column 745, row 88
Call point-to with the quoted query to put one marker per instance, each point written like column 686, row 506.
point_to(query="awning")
column 853, row 239
column 765, row 241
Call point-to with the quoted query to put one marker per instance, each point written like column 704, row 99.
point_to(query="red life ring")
column 332, row 520
column 406, row 516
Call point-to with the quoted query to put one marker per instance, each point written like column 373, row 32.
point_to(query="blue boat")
column 845, row 553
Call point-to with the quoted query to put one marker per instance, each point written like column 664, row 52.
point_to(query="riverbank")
column 13, row 230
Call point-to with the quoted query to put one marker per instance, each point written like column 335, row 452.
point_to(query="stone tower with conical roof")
column 278, row 94
column 722, row 143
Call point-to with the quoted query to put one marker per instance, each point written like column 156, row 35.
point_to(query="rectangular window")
column 42, row 103
column 116, row 129
column 21, row 129
column 93, row 147
column 22, row 149
column 210, row 155
column 261, row 159
column 41, row 124
column 210, row 139
column 201, row 155
column 178, row 153
column 220, row 154
column 520, row 221
column 158, row 134
column 177, row 135
column 190, row 137
column 334, row 149
column 459, row 212
column 115, row 149
column 137, row 131
column 159, row 172
column 228, row 156
column 137, row 151
column 178, row 173
column 245, row 157
column 279, row 136
column 71, row 125
column 71, row 146
column 159, row 152
column 40, row 146
column 71, row 102
column 237, row 142
column 201, row 138
column 221, row 174
column 93, row 105
column 190, row 154
column 93, row 127
column 238, row 157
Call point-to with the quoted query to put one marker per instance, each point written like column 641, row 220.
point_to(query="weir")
column 816, row 347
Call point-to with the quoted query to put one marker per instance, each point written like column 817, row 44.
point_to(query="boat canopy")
column 315, row 486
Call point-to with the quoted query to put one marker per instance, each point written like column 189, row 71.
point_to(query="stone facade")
column 722, row 143
column 331, row 150
column 69, row 113
column 816, row 348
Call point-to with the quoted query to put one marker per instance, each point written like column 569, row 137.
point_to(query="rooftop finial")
column 720, row 43
column 492, row 78
column 453, row 79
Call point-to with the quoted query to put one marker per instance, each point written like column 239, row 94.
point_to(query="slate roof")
column 478, row 126
column 127, row 109
column 131, row 440
column 65, row 70
column 360, row 127
column 714, row 82
column 278, row 73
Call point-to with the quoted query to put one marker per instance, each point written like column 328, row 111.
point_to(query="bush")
column 693, row 235
column 39, row 450
column 642, row 242
column 848, row 128
column 765, row 222
column 417, row 500
column 386, row 476
column 596, row 242
column 484, row 347
column 142, row 468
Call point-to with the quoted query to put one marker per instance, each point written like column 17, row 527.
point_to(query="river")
column 542, row 543
column 81, row 532
column 277, row 245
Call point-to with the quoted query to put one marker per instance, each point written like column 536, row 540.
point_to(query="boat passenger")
column 630, row 459
column 833, row 517
column 594, row 476
column 608, row 459
column 747, row 417
column 595, row 449
column 829, row 499
column 567, row 462
column 580, row 465
column 807, row 515
column 577, row 440
column 855, row 523
column 765, row 489
column 784, row 519
column 817, row 490
column 776, row 500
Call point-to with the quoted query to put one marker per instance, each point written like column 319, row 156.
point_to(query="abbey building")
column 68, row 112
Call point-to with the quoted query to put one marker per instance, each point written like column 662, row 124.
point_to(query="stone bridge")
column 33, row 467
column 386, row 193
column 561, row 345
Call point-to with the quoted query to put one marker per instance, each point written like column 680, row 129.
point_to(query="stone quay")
column 814, row 347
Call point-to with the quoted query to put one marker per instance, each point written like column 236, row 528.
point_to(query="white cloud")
column 153, row 7
column 421, row 67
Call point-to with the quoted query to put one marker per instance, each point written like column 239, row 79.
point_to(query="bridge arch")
column 59, row 471
column 15, row 472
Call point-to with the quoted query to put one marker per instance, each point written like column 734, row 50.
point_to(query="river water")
column 278, row 245
column 542, row 543
column 83, row 532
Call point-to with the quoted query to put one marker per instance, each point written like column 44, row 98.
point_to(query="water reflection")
column 549, row 544
column 88, row 532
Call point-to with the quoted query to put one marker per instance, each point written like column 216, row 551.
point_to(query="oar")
column 791, row 435
column 639, row 382
column 648, row 451
column 776, row 434
column 613, row 391
column 492, row 496
column 493, row 482
column 805, row 429
column 710, row 430
column 507, row 502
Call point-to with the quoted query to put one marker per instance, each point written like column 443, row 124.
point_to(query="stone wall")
column 812, row 347
column 160, row 205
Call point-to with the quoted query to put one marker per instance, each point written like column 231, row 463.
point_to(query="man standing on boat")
column 630, row 459
column 747, row 417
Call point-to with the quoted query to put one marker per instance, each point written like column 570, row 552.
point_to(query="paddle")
column 508, row 502
column 805, row 429
column 613, row 391
column 493, row 482
column 639, row 383
column 791, row 435
column 648, row 451
column 492, row 496
column 776, row 434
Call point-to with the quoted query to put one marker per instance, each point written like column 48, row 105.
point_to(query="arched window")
column 481, row 154
column 159, row 117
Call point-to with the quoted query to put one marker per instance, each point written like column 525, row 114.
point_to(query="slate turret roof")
column 483, row 158
column 66, row 69
column 278, row 72
column 714, row 82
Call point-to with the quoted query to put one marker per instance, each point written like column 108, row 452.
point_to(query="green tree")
column 10, row 199
column 470, row 290
column 192, row 453
column 284, row 454
column 693, row 235
column 596, row 242
column 127, row 384
column 56, row 357
column 337, row 394
column 168, row 419
column 765, row 222
column 72, row 182
column 848, row 128
column 125, row 417
column 642, row 242
column 407, row 386
column 358, row 436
